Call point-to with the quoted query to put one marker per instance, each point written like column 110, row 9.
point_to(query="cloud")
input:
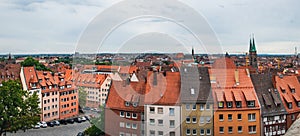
column 35, row 26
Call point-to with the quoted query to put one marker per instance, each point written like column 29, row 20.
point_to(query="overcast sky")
column 56, row 26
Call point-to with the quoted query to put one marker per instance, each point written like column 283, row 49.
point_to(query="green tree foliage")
column 82, row 96
column 97, row 128
column 32, row 62
column 18, row 109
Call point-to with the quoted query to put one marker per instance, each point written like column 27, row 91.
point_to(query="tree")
column 97, row 128
column 18, row 109
column 32, row 62
column 82, row 96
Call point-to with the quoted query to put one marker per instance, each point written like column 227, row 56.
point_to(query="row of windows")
column 127, row 134
column 160, row 133
column 160, row 122
column 48, row 94
column 251, row 129
column 251, row 117
column 128, row 114
column 128, row 125
column 48, row 101
column 68, row 111
column 201, row 131
column 48, row 107
column 202, row 119
column 161, row 111
column 67, row 92
column 49, row 115
column 194, row 106
column 238, row 104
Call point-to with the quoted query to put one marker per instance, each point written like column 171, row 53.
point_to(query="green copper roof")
column 252, row 46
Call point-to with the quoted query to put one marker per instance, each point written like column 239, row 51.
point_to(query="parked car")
column 43, row 124
column 37, row 126
column 50, row 124
column 86, row 108
column 63, row 122
column 87, row 118
column 71, row 121
column 83, row 119
column 56, row 122
column 80, row 134
column 78, row 120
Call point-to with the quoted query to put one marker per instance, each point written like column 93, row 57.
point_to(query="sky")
column 67, row 26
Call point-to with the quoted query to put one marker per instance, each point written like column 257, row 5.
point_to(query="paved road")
column 62, row 130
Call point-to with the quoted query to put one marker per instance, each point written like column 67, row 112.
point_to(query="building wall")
column 50, row 109
column 92, row 99
column 66, row 98
column 198, row 113
column 274, row 125
column 166, row 117
column 117, row 125
column 291, row 117
column 235, row 122
column 105, row 86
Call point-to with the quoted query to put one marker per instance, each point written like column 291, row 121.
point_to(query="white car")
column 83, row 119
column 37, row 126
column 43, row 124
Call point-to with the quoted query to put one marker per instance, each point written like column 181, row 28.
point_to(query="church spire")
column 193, row 55
column 252, row 44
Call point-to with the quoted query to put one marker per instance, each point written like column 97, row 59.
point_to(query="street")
column 62, row 130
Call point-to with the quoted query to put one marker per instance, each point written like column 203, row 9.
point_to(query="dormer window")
column 192, row 91
column 43, row 87
column 134, row 104
column 220, row 104
column 127, row 104
column 293, row 90
column 298, row 103
column 238, row 104
column 50, row 87
column 69, row 86
column 229, row 104
column 62, row 87
column 290, row 105
column 250, row 103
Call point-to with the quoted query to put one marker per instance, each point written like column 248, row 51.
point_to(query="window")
column 208, row 119
column 172, row 123
column 221, row 104
column 201, row 107
column 229, row 104
column 187, row 107
column 152, row 110
column 192, row 91
column 202, row 120
column 221, row 118
column 298, row 103
column 221, row 130
column 202, row 132
column 172, row 133
column 152, row 122
column 171, row 111
column 134, row 116
column 208, row 132
column 230, row 129
column 207, row 106
column 160, row 133
column 251, row 117
column 152, row 133
column 188, row 132
column 134, row 126
column 293, row 117
column 252, row 129
column 122, row 134
column 229, row 117
column 290, row 105
column 128, row 115
column 194, row 119
column 194, row 106
column 238, row 104
column 194, row 131
column 122, row 124
column 128, row 125
column 240, row 129
column 188, row 120
column 160, row 110
column 160, row 122
column 250, row 103
column 239, row 116
column 134, row 104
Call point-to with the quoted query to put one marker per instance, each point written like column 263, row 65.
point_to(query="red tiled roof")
column 220, row 96
column 249, row 95
column 228, row 95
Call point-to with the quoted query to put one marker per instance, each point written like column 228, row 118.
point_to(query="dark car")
column 87, row 118
column 63, row 122
column 56, row 123
column 80, row 134
column 71, row 121
column 50, row 124
column 86, row 108
column 78, row 120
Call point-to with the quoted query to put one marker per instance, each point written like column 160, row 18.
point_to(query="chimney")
column 236, row 77
column 154, row 78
